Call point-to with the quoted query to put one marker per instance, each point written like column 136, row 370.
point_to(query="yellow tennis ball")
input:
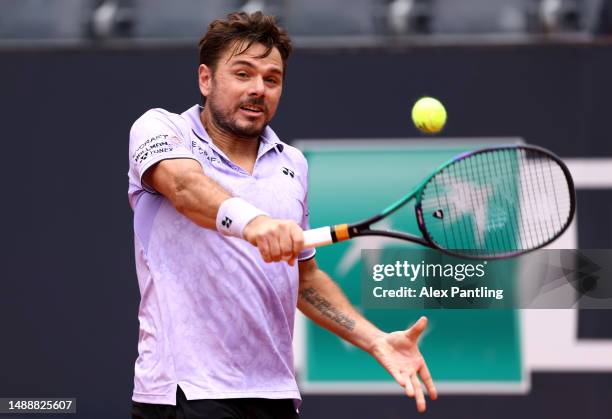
column 429, row 115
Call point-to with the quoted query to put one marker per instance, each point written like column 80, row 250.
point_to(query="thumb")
column 415, row 331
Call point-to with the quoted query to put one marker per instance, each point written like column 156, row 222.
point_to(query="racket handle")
column 326, row 235
column 318, row 237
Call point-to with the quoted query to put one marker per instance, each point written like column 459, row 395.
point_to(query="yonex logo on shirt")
column 154, row 145
column 288, row 172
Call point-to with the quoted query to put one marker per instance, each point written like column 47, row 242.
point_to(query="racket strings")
column 497, row 202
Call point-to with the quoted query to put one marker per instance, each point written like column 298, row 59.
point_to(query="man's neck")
column 241, row 151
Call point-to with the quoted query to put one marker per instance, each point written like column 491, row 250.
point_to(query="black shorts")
column 216, row 409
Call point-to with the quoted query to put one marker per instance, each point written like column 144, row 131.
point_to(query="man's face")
column 243, row 93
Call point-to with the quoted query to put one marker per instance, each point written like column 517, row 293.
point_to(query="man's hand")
column 399, row 353
column 277, row 240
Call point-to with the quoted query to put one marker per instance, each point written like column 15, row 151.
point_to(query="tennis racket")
column 490, row 203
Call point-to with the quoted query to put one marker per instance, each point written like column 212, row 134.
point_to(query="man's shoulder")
column 293, row 153
column 159, row 122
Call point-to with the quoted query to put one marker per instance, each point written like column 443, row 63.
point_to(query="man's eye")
column 242, row 74
column 272, row 81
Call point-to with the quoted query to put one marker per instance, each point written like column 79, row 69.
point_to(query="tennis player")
column 219, row 207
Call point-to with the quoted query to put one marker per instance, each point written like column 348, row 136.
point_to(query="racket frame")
column 341, row 232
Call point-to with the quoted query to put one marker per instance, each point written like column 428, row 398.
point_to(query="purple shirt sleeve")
column 155, row 136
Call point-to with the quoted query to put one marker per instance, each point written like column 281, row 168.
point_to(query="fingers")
column 413, row 389
column 264, row 248
column 290, row 241
column 399, row 377
column 297, row 236
column 285, row 242
column 428, row 382
column 408, row 387
column 276, row 247
column 277, row 240
column 418, row 393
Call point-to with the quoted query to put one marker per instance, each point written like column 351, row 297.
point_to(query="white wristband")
column 233, row 216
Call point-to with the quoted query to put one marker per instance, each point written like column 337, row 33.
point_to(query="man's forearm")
column 323, row 302
column 199, row 199
column 189, row 190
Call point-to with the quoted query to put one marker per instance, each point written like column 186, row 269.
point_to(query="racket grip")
column 318, row 237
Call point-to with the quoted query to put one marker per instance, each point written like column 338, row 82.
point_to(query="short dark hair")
column 244, row 30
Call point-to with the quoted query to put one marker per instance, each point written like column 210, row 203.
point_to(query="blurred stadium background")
column 74, row 75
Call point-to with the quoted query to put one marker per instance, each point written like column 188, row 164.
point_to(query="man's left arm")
column 322, row 301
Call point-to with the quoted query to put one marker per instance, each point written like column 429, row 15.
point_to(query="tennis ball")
column 429, row 115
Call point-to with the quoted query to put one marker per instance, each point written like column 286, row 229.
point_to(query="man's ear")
column 205, row 75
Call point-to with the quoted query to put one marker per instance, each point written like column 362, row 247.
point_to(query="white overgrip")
column 317, row 237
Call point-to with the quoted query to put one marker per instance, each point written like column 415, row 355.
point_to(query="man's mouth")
column 252, row 109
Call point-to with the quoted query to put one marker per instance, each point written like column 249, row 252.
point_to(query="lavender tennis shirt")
column 215, row 319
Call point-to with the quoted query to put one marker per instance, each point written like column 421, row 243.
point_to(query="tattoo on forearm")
column 326, row 308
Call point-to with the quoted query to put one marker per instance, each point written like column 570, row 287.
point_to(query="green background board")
column 466, row 350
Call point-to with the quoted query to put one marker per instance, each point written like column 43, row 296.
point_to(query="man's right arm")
column 190, row 191
column 199, row 198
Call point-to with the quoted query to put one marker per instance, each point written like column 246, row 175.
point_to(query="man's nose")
column 257, row 87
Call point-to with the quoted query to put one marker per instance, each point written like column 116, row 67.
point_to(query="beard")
column 226, row 120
